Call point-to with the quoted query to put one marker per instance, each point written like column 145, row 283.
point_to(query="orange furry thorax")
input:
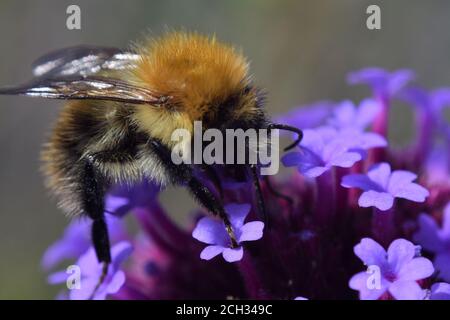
column 198, row 72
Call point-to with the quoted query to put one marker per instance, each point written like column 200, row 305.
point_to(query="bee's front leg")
column 183, row 174
column 212, row 204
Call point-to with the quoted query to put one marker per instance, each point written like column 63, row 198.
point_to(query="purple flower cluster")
column 357, row 219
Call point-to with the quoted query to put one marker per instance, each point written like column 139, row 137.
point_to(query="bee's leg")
column 212, row 204
column 93, row 186
column 183, row 174
column 215, row 179
column 259, row 195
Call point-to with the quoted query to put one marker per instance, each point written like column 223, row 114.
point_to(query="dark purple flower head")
column 77, row 240
column 436, row 240
column 382, row 82
column 320, row 150
column 395, row 272
column 381, row 186
column 314, row 224
column 212, row 231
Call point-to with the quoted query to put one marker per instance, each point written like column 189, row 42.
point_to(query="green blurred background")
column 300, row 51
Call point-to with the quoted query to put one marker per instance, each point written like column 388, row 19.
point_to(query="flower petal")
column 344, row 160
column 309, row 116
column 380, row 174
column 119, row 253
column 116, row 282
column 442, row 264
column 446, row 222
column 380, row 200
column 400, row 252
column 360, row 283
column 117, row 205
column 401, row 177
column 369, row 140
column 237, row 213
column 292, row 159
column 428, row 234
column 74, row 243
column 417, row 269
column 412, row 191
column 233, row 254
column 251, row 231
column 210, row 231
column 314, row 172
column 407, row 290
column 305, row 160
column 370, row 252
column 89, row 265
column 87, row 286
column 366, row 113
column 312, row 140
column 344, row 114
column 57, row 277
column 210, row 252
column 440, row 291
column 360, row 181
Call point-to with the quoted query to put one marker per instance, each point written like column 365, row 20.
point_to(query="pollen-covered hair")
column 199, row 72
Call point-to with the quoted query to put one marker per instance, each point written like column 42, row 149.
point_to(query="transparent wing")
column 83, row 61
column 94, row 88
column 75, row 73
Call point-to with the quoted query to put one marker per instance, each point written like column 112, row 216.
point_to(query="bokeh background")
column 300, row 51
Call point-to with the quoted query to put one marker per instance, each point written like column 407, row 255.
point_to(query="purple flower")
column 320, row 150
column 440, row 291
column 91, row 271
column 308, row 116
column 381, row 186
column 212, row 232
column 77, row 240
column 301, row 298
column 123, row 198
column 395, row 271
column 382, row 82
column 346, row 115
column 436, row 240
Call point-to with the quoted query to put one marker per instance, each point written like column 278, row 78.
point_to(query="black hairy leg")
column 258, row 192
column 182, row 174
column 212, row 204
column 93, row 194
column 215, row 179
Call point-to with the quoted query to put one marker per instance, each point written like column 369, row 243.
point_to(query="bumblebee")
column 123, row 106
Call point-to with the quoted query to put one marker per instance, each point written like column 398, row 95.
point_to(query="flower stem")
column 325, row 197
column 354, row 193
column 252, row 279
column 158, row 236
column 383, row 227
column 380, row 126
column 425, row 124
